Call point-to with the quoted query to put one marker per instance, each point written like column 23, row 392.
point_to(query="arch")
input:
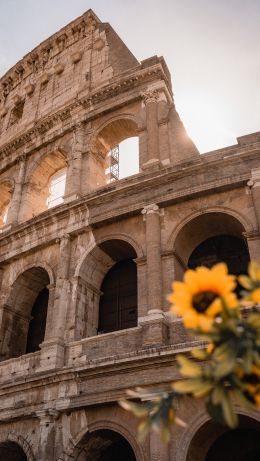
column 38, row 176
column 115, row 131
column 115, row 118
column 202, row 227
column 247, row 225
column 44, row 265
column 74, row 453
column 96, row 263
column 23, row 443
column 115, row 236
column 42, row 156
column 25, row 313
column 200, row 420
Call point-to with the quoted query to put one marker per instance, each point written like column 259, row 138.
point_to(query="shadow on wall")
column 25, row 314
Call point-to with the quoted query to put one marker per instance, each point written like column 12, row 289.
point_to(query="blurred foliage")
column 226, row 371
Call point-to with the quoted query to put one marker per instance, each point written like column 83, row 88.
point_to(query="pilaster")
column 47, row 434
column 13, row 212
column 151, row 214
column 52, row 349
column 150, row 98
column 73, row 189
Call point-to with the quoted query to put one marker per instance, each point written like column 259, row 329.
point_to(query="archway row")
column 114, row 155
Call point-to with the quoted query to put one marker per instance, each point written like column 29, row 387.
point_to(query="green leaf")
column 229, row 415
column 215, row 411
column 245, row 281
column 190, row 386
column 205, row 388
column 225, row 368
column 188, row 367
column 199, row 354
column 247, row 361
column 217, row 395
column 137, row 409
column 223, row 351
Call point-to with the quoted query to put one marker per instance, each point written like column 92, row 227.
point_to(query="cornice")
column 42, row 229
column 37, row 59
column 89, row 106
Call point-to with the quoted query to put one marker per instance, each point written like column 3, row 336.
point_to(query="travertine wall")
column 66, row 104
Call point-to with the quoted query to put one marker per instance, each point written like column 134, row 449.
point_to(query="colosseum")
column 86, row 260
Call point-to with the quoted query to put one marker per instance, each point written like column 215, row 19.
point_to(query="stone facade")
column 63, row 107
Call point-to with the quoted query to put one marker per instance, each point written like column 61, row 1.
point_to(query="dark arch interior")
column 241, row 444
column 11, row 451
column 25, row 322
column 118, row 302
column 37, row 323
column 213, row 442
column 222, row 248
column 105, row 445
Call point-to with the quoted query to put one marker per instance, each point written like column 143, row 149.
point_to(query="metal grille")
column 114, row 164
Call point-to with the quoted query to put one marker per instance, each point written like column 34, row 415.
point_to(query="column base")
column 71, row 197
column 154, row 328
column 154, row 164
column 52, row 354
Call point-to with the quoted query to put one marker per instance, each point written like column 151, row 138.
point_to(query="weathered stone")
column 63, row 107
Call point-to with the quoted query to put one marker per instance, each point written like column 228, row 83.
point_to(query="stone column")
column 63, row 287
column 253, row 238
column 150, row 98
column 73, row 182
column 151, row 215
column 154, row 324
column 49, row 320
column 13, row 212
column 52, row 354
column 141, row 288
column 47, row 434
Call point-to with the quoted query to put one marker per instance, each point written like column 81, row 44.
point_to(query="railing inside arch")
column 114, row 164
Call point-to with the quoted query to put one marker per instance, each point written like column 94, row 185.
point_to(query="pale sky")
column 211, row 48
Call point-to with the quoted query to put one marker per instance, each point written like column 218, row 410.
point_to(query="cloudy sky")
column 210, row 46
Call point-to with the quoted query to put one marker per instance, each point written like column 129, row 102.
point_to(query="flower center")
column 201, row 301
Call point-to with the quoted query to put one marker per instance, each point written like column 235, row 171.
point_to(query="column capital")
column 152, row 208
column 252, row 235
column 47, row 415
column 150, row 96
column 63, row 241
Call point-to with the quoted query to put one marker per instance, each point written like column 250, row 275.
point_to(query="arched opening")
column 5, row 199
column 118, row 302
column 46, row 186
column 104, row 445
column 37, row 323
column 57, row 184
column 228, row 248
column 213, row 442
column 211, row 238
column 123, row 159
column 25, row 314
column 118, row 143
column 107, row 289
column 11, row 451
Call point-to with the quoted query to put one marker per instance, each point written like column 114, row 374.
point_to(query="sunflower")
column 199, row 299
column 251, row 283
